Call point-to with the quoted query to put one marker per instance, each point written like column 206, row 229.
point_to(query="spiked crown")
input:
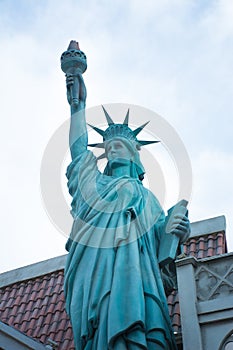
column 119, row 130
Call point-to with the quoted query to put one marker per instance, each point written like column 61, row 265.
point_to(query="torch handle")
column 73, row 89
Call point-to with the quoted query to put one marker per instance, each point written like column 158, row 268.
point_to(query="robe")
column 113, row 286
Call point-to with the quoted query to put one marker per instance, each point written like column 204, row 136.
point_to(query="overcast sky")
column 172, row 57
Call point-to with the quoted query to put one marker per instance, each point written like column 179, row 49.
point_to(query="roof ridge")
column 208, row 226
column 32, row 271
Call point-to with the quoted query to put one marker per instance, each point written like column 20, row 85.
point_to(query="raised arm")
column 76, row 95
column 74, row 64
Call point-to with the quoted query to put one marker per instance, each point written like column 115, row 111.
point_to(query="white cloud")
column 218, row 21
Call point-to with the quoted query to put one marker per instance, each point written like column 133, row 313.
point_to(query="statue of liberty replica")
column 115, row 287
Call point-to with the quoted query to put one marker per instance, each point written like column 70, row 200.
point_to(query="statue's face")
column 117, row 149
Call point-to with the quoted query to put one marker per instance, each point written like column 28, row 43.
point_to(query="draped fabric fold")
column 113, row 286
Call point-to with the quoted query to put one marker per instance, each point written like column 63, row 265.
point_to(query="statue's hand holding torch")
column 74, row 64
column 76, row 90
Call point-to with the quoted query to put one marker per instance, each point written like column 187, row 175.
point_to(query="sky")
column 171, row 57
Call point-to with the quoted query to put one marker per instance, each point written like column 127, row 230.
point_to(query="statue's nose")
column 113, row 149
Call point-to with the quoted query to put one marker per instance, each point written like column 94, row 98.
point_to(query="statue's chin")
column 118, row 162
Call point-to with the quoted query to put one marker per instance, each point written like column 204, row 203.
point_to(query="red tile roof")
column 36, row 306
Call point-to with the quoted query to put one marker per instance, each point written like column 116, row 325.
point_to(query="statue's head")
column 121, row 146
column 120, row 152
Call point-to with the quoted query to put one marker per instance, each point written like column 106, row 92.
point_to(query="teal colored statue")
column 115, row 288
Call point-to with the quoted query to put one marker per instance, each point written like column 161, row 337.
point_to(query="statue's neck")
column 120, row 167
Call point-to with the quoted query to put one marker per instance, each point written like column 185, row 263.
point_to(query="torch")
column 73, row 63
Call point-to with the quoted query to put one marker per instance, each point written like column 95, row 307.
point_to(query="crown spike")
column 126, row 121
column 139, row 129
column 108, row 118
column 98, row 145
column 145, row 143
column 102, row 156
column 101, row 132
